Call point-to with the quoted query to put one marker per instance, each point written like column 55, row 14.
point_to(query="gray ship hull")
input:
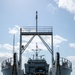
column 7, row 71
column 65, row 71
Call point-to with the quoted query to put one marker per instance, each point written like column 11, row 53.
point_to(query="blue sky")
column 57, row 13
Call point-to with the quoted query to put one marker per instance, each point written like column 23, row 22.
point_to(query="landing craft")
column 36, row 65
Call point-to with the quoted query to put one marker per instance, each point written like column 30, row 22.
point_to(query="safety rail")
column 38, row 29
column 7, row 63
column 65, row 63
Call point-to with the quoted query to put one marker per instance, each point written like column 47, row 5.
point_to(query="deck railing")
column 7, row 63
column 65, row 63
column 38, row 29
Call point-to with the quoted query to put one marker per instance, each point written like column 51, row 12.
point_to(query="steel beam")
column 50, row 50
column 36, row 33
column 27, row 44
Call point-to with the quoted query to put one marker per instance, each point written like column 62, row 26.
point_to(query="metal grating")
column 38, row 29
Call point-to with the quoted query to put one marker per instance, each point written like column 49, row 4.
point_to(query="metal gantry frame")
column 37, row 31
column 39, row 34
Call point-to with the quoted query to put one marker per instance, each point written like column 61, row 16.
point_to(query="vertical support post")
column 53, row 71
column 57, row 64
column 13, row 44
column 36, row 20
column 52, row 48
column 20, row 55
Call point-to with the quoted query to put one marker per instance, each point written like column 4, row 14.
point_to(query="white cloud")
column 69, row 5
column 58, row 39
column 52, row 8
column 14, row 30
column 72, row 45
column 71, row 58
column 0, row 46
column 4, row 56
column 8, row 46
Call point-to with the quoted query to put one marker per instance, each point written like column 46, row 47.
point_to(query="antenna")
column 36, row 20
column 36, row 51
column 13, row 43
column 58, row 49
column 33, row 57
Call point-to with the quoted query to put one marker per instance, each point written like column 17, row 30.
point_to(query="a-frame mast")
column 39, row 31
